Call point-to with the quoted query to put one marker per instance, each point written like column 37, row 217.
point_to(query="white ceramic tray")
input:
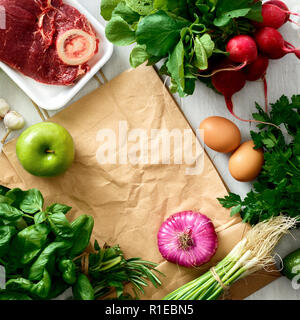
column 51, row 97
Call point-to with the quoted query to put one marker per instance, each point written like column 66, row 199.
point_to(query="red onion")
column 187, row 238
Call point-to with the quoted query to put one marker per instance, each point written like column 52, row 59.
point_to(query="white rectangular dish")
column 51, row 97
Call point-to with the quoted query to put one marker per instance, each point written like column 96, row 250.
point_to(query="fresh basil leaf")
column 40, row 289
column 32, row 201
column 6, row 235
column 36, row 271
column 107, row 7
column 175, row 67
column 9, row 214
column 58, row 208
column 60, row 225
column 40, row 217
column 4, row 199
column 123, row 11
column 16, row 195
column 143, row 7
column 82, row 228
column 138, row 56
column 13, row 295
column 3, row 190
column 159, row 32
column 28, row 243
column 119, row 32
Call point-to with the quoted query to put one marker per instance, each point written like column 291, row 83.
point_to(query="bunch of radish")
column 253, row 53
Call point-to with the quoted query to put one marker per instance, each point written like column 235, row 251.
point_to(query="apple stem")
column 50, row 151
column 5, row 137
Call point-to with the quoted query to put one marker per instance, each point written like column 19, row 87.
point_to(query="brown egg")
column 221, row 134
column 246, row 163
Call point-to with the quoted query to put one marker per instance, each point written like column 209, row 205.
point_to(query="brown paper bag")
column 130, row 201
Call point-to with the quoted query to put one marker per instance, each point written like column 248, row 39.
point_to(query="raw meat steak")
column 28, row 42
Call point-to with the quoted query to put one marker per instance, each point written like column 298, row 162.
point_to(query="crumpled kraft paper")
column 130, row 201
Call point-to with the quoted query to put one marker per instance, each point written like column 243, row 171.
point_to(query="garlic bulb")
column 13, row 121
column 4, row 108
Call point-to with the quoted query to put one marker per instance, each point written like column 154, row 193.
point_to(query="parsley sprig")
column 277, row 189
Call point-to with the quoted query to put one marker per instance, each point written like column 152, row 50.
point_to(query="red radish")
column 273, row 17
column 228, row 83
column 242, row 49
column 284, row 8
column 272, row 44
column 187, row 238
column 257, row 70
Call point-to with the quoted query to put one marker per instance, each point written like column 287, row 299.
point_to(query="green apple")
column 45, row 149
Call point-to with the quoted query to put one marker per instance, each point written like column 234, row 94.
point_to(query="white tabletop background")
column 283, row 77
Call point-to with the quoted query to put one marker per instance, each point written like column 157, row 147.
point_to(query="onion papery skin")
column 188, row 239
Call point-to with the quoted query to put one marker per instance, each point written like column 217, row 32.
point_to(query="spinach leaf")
column 6, row 235
column 107, row 7
column 119, row 32
column 159, row 32
column 28, row 243
column 32, row 201
column 60, row 225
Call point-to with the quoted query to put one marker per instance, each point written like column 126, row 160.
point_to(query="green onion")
column 251, row 254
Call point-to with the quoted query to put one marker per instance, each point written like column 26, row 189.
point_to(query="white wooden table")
column 283, row 78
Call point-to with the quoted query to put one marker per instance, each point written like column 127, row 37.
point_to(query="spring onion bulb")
column 251, row 254
column 188, row 239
